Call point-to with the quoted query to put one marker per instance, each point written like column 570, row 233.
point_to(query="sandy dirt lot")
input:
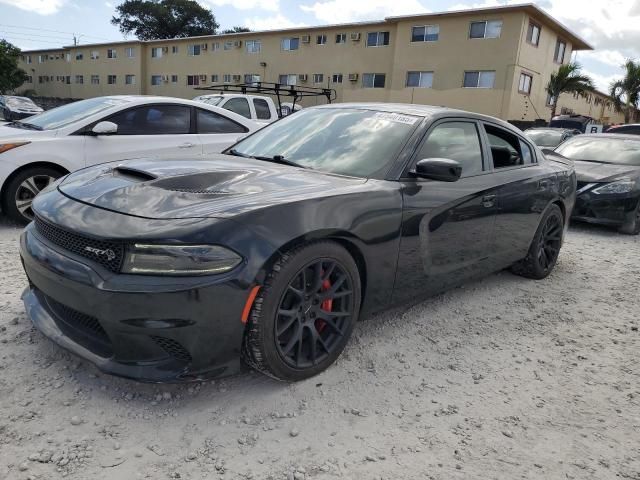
column 504, row 378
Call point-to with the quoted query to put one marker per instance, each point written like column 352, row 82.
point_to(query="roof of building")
column 577, row 42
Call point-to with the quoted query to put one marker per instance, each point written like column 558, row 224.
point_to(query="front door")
column 447, row 227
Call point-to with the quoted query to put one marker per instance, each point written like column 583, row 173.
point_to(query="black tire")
column 632, row 225
column 545, row 247
column 263, row 347
column 16, row 200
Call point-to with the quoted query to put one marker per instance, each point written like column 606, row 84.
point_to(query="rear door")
column 526, row 187
column 159, row 130
column 217, row 131
column 447, row 227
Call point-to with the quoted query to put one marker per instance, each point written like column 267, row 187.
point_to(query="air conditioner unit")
column 237, row 43
column 165, row 78
column 204, row 46
column 203, row 78
column 355, row 37
column 306, row 39
column 353, row 77
column 303, row 77
column 165, row 49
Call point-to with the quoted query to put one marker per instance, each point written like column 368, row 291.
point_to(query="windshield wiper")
column 275, row 159
column 28, row 126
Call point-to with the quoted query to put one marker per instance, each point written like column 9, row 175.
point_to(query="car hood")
column 9, row 134
column 219, row 186
column 602, row 172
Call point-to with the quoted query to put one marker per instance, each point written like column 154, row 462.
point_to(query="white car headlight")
column 148, row 259
column 623, row 186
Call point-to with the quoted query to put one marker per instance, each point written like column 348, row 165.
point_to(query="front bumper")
column 140, row 327
column 605, row 209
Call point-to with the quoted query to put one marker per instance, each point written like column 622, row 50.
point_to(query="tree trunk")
column 627, row 111
column 553, row 108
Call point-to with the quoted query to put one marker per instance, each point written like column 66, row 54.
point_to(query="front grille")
column 173, row 348
column 81, row 328
column 109, row 254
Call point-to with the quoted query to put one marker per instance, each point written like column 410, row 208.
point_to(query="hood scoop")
column 134, row 173
column 207, row 183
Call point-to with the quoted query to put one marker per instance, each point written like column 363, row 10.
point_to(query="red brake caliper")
column 326, row 305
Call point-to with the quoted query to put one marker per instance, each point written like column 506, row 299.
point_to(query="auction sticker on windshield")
column 396, row 117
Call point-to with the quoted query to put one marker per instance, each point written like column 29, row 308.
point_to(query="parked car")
column 258, row 108
column 38, row 150
column 167, row 271
column 629, row 129
column 608, row 172
column 546, row 137
column 15, row 108
column 574, row 122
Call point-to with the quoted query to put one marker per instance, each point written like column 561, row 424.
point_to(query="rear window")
column 618, row 151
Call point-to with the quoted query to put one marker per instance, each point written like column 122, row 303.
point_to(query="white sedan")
column 39, row 149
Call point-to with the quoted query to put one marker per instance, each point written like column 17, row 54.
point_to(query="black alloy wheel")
column 303, row 315
column 313, row 314
column 545, row 247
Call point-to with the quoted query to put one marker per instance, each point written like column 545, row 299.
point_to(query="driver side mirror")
column 549, row 151
column 441, row 169
column 104, row 128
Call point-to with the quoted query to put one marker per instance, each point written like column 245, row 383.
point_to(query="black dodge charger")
column 175, row 270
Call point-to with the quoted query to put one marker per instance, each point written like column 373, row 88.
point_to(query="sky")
column 611, row 26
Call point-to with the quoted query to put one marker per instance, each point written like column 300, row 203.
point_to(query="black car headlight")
column 149, row 259
column 622, row 186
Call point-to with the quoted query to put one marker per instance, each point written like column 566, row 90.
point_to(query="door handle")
column 187, row 145
column 488, row 201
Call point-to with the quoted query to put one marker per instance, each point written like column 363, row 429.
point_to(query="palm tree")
column 568, row 79
column 625, row 93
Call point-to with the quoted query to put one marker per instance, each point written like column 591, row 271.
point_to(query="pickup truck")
column 254, row 107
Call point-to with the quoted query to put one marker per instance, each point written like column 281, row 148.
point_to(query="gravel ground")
column 505, row 378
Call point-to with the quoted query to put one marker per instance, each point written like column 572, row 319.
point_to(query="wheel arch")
column 28, row 166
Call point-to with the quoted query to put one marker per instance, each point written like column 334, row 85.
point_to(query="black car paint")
column 410, row 238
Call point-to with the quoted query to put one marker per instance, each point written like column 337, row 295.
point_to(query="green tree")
column 625, row 93
column 236, row 30
column 159, row 19
column 568, row 79
column 11, row 77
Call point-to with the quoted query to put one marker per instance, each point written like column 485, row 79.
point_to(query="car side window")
column 239, row 106
column 527, row 154
column 458, row 141
column 262, row 109
column 211, row 122
column 506, row 148
column 153, row 120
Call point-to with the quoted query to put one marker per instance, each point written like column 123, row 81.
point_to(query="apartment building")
column 494, row 60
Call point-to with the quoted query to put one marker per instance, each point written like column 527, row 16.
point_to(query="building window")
column 377, row 39
column 95, row 54
column 253, row 46
column 193, row 80
column 288, row 79
column 79, row 79
column 111, row 79
column 174, row 49
column 425, row 33
column 336, row 78
column 28, row 59
column 194, row 50
column 156, row 52
column 174, row 78
column 214, row 78
column 130, row 52
column 156, row 80
column 533, row 34
column 228, row 45
column 41, row 58
column 561, row 48
column 130, row 79
column 215, row 46
column 111, row 53
column 524, row 86
column 487, row 29
column 95, row 80
column 290, row 43
column 341, row 38
column 321, row 40
column 68, row 57
column 251, row 78
column 318, row 77
column 479, row 79
column 67, row 79
column 79, row 56
column 373, row 80
column 226, row 78
column 420, row 79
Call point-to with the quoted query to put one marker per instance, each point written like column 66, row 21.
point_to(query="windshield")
column 544, row 138
column 598, row 149
column 336, row 140
column 19, row 102
column 571, row 124
column 72, row 112
column 211, row 100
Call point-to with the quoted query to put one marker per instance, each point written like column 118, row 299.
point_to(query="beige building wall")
column 448, row 58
